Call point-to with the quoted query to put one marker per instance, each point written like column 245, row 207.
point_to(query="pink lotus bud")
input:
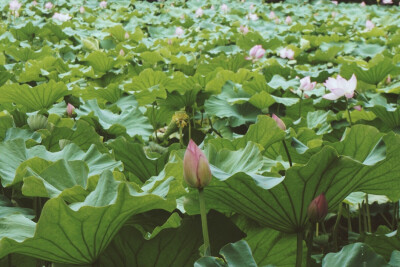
column 82, row 9
column 369, row 25
column 252, row 17
column 276, row 20
column 334, row 14
column 359, row 108
column 363, row 4
column 199, row 12
column 103, row 4
column 272, row 15
column 286, row 53
column 48, row 5
column 335, row 2
column 288, row 20
column 224, row 8
column 318, row 209
column 244, row 30
column 70, row 109
column 126, row 36
column 196, row 169
column 306, row 84
column 256, row 52
column 34, row 3
column 306, row 96
column 388, row 79
column 122, row 52
column 280, row 123
column 179, row 31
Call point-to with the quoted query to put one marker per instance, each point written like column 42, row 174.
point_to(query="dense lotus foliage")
column 294, row 105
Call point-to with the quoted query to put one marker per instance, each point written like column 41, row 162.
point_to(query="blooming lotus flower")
column 280, row 123
column 15, row 5
column 196, row 169
column 363, row 4
column 318, row 209
column 48, row 5
column 70, row 109
column 224, row 8
column 272, row 15
column 306, row 84
column 286, row 53
column 103, row 4
column 386, row 2
column 369, row 25
column 199, row 12
column 288, row 20
column 340, row 87
column 252, row 17
column 243, row 29
column 82, row 9
column 256, row 52
column 179, row 31
column 61, row 17
column 359, row 108
column 126, row 36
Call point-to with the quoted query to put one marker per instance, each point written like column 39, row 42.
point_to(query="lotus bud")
column 196, row 169
column 359, row 108
column 126, row 35
column 179, row 31
column 272, row 15
column 103, row 4
column 363, row 4
column 318, row 209
column 48, row 5
column 288, row 20
column 280, row 123
column 244, row 30
column 37, row 122
column 224, row 8
column 70, row 109
column 122, row 52
column 369, row 25
column 388, row 79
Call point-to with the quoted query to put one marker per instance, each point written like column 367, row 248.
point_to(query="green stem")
column 348, row 111
column 299, row 255
column 180, row 137
column 336, row 226
column 287, row 153
column 301, row 100
column 349, row 219
column 368, row 214
column 364, row 217
column 9, row 259
column 190, row 130
column 203, row 213
column 310, row 245
column 359, row 219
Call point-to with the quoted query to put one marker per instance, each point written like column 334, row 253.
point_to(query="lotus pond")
column 292, row 107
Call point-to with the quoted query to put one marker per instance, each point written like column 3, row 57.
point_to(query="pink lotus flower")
column 251, row 7
column 288, row 20
column 103, row 4
column 359, row 108
column 335, row 2
column 256, row 52
column 243, row 29
column 387, row 2
column 196, row 169
column 286, row 53
column 306, row 84
column 363, row 4
column 280, row 123
column 252, row 17
column 276, row 20
column 369, row 25
column 34, row 3
column 318, row 209
column 179, row 31
column 82, row 9
column 388, row 79
column 224, row 8
column 334, row 14
column 122, row 52
column 272, row 15
column 15, row 5
column 199, row 12
column 61, row 17
column 340, row 87
column 126, row 36
column 48, row 5
column 70, row 109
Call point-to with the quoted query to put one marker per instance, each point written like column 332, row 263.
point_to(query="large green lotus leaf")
column 278, row 81
column 26, row 134
column 233, row 63
column 383, row 241
column 135, row 160
column 395, row 258
column 13, row 167
column 354, row 255
column 389, row 115
column 77, row 234
column 176, row 244
column 35, row 98
column 130, row 121
column 112, row 93
column 100, row 62
column 67, row 179
column 7, row 209
column 26, row 53
column 6, row 122
column 235, row 255
column 282, row 206
column 148, row 86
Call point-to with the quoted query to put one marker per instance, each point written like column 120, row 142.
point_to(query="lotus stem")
column 180, row 137
column 287, row 153
column 9, row 260
column 301, row 100
column 348, row 112
column 364, row 217
column 310, row 244
column 190, row 130
column 348, row 218
column 299, row 254
column 368, row 213
column 336, row 226
column 359, row 219
column 203, row 213
column 316, row 229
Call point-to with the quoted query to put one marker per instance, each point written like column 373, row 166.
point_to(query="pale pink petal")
column 338, row 91
column 352, row 83
column 331, row 96
column 331, row 83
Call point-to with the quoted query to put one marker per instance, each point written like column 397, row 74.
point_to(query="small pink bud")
column 363, row 4
column 103, row 4
column 196, row 169
column 359, row 108
column 256, row 52
column 388, row 79
column 122, row 52
column 179, row 31
column 70, row 109
column 199, row 12
column 318, row 209
column 48, row 5
column 224, row 8
column 244, row 30
column 251, row 7
column 272, row 15
column 306, row 84
column 280, row 123
column 369, row 25
column 82, row 9
column 288, row 20
column 126, row 36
